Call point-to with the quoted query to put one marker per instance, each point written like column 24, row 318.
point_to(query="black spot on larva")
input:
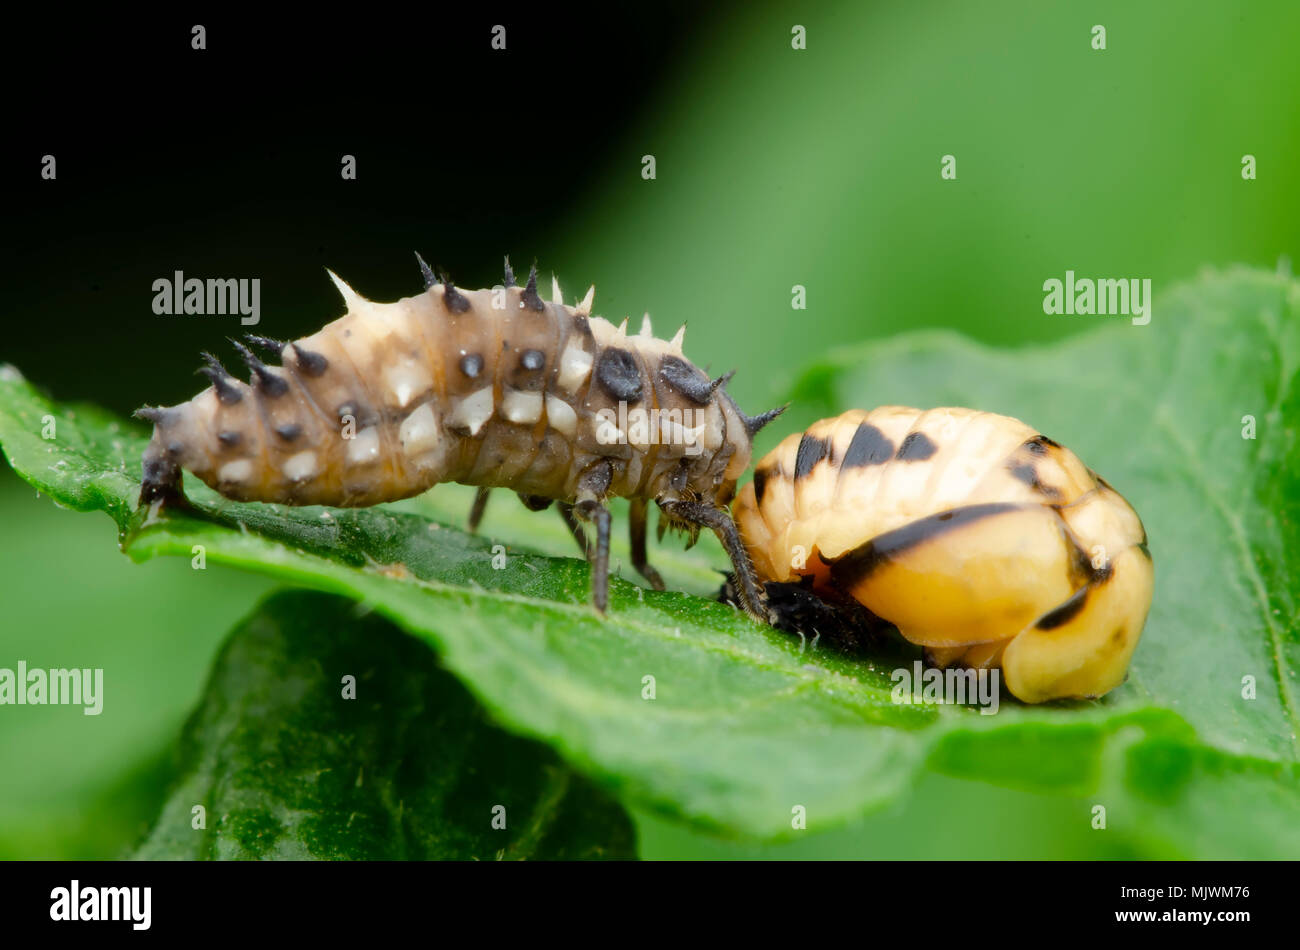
column 811, row 451
column 857, row 565
column 760, row 484
column 532, row 360
column 1025, row 472
column 175, row 448
column 619, row 374
column 536, row 502
column 455, row 301
column 917, row 447
column 530, row 299
column 312, row 364
column 471, row 364
column 352, row 409
column 224, row 384
column 867, row 447
column 288, row 431
column 582, row 325
column 230, row 438
column 686, row 379
column 1064, row 613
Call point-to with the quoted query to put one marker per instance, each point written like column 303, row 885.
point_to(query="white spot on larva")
column 556, row 296
column 473, row 411
column 521, row 407
column 561, row 417
column 300, row 467
column 355, row 302
column 419, row 431
column 407, row 381
column 575, row 365
column 239, row 471
column 365, row 447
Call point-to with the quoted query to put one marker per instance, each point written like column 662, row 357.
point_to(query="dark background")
column 225, row 162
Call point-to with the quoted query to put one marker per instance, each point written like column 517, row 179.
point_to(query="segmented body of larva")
column 493, row 388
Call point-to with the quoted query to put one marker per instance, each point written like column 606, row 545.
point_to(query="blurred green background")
column 774, row 167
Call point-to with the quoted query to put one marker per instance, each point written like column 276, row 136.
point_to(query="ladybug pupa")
column 493, row 388
column 977, row 537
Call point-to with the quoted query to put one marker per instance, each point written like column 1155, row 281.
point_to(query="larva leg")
column 637, row 528
column 579, row 535
column 590, row 506
column 476, row 510
column 719, row 522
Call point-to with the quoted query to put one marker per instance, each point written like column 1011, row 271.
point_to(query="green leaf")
column 286, row 765
column 746, row 724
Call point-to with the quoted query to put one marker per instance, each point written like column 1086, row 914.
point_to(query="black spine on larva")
column 426, row 272
column 269, row 383
column 312, row 364
column 227, row 392
column 509, row 279
column 530, row 299
column 455, row 301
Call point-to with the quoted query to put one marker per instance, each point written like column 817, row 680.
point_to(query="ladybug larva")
column 978, row 537
column 493, row 388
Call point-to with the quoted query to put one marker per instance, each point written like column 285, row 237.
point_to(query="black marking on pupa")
column 916, row 447
column 867, row 447
column 1063, row 614
column 224, row 384
column 619, row 374
column 268, row 382
column 312, row 364
column 425, row 272
column 811, row 451
column 754, row 423
column 530, row 299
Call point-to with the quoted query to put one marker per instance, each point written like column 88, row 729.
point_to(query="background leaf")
column 286, row 767
column 746, row 724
